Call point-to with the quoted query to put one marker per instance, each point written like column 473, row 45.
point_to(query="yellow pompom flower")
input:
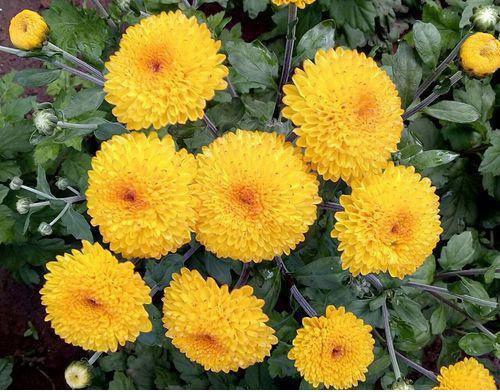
column 220, row 330
column 165, row 71
column 94, row 301
column 140, row 194
column 299, row 3
column 334, row 350
column 257, row 196
column 347, row 112
column 480, row 54
column 465, row 375
column 28, row 30
column 390, row 223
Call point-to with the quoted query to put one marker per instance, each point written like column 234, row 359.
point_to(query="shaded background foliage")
column 455, row 142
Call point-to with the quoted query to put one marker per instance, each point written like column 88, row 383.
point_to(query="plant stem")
column 287, row 61
column 231, row 88
column 328, row 205
column 191, row 251
column 187, row 3
column 432, row 97
column 94, row 357
column 245, row 273
column 390, row 343
column 15, row 52
column 469, row 272
column 60, row 215
column 104, row 13
column 73, row 190
column 37, row 192
column 78, row 73
column 442, row 290
column 211, row 126
column 64, row 124
column 75, row 60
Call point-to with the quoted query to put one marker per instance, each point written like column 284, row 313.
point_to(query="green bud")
column 124, row 5
column 45, row 229
column 62, row 183
column 360, row 286
column 485, row 18
column 15, row 183
column 78, row 375
column 45, row 121
column 23, row 205
column 402, row 385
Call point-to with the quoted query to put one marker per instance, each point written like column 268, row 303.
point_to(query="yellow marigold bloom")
column 28, row 30
column 140, row 195
column 94, row 301
column 347, row 112
column 465, row 375
column 480, row 54
column 220, row 330
column 257, row 196
column 390, row 223
column 166, row 69
column 299, row 3
column 334, row 350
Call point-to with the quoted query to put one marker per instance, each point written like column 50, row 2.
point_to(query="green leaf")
column 15, row 110
column 479, row 94
column 267, row 286
column 407, row 73
column 476, row 344
column 425, row 273
column 5, row 373
column 75, row 168
column 446, row 20
column 7, row 222
column 323, row 273
column 41, row 181
column 279, row 363
column 15, row 138
column 4, row 190
column 453, row 111
column 491, row 159
column 77, row 225
column 359, row 14
column 438, row 320
column 458, row 252
column 36, row 77
column 121, row 381
column 116, row 361
column 432, row 158
column 156, row 336
column 219, row 269
column 321, row 36
column 8, row 169
column 427, row 42
column 35, row 252
column 254, row 7
column 159, row 273
column 46, row 152
column 107, row 129
column 166, row 379
column 84, row 101
column 410, row 312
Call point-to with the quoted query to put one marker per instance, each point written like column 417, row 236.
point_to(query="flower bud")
column 45, row 121
column 15, row 183
column 360, row 286
column 124, row 5
column 62, row 183
column 485, row 18
column 28, row 30
column 78, row 375
column 402, row 385
column 23, row 205
column 45, row 229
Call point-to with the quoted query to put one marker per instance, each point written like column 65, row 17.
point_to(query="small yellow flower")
column 221, row 330
column 140, row 194
column 480, row 54
column 299, row 3
column 334, row 350
column 78, row 375
column 28, row 30
column 347, row 112
column 257, row 197
column 167, row 68
column 94, row 301
column 467, row 374
column 390, row 223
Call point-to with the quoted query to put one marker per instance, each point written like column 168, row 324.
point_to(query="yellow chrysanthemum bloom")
column 28, row 30
column 465, row 375
column 257, row 196
column 220, row 330
column 390, row 223
column 166, row 69
column 480, row 54
column 334, row 350
column 299, row 3
column 347, row 112
column 94, row 301
column 140, row 194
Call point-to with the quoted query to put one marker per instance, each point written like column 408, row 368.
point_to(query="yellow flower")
column 465, row 375
column 220, row 330
column 28, row 30
column 257, row 196
column 94, row 301
column 347, row 112
column 140, row 195
column 299, row 3
column 390, row 223
column 78, row 375
column 334, row 350
column 165, row 71
column 480, row 54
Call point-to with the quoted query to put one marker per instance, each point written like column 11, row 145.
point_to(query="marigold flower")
column 166, row 69
column 257, row 196
column 347, row 112
column 334, row 350
column 28, row 30
column 465, row 375
column 299, row 3
column 94, row 301
column 390, row 223
column 221, row 330
column 140, row 195
column 480, row 54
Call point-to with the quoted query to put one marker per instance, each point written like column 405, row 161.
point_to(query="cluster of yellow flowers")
column 249, row 195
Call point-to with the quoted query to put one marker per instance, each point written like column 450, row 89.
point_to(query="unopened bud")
column 62, row 183
column 45, row 229
column 402, row 385
column 23, row 205
column 15, row 183
column 360, row 286
column 124, row 5
column 78, row 375
column 485, row 18
column 45, row 121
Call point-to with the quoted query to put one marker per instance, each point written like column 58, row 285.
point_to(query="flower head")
column 94, row 301
column 219, row 329
column 166, row 69
column 45, row 121
column 140, row 195
column 78, row 375
column 390, row 223
column 480, row 54
column 347, row 112
column 28, row 30
column 465, row 375
column 257, row 196
column 334, row 350
column 485, row 17
column 299, row 3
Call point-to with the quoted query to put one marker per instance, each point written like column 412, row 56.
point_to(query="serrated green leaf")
column 15, row 138
column 458, row 252
column 491, row 159
column 453, row 111
column 254, row 7
column 321, row 36
column 476, row 344
column 76, row 225
column 279, row 363
column 84, row 101
column 359, row 14
column 432, row 158
column 323, row 273
column 121, row 381
column 36, row 77
column 407, row 73
column 75, row 168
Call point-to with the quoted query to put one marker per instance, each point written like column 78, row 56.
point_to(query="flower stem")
column 231, row 89
column 328, row 205
column 75, row 60
column 64, row 124
column 190, row 252
column 104, row 13
column 287, row 61
column 390, row 343
column 15, row 52
column 74, row 190
column 94, row 357
column 37, row 192
column 245, row 273
column 60, row 215
column 469, row 272
column 211, row 126
column 78, row 73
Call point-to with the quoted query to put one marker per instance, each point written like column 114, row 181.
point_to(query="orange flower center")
column 337, row 352
column 248, row 199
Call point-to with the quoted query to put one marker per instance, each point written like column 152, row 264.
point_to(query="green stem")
column 60, row 215
column 78, row 73
column 64, row 124
column 94, row 357
column 104, row 13
column 469, row 272
column 75, row 60
column 211, row 126
column 328, row 205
